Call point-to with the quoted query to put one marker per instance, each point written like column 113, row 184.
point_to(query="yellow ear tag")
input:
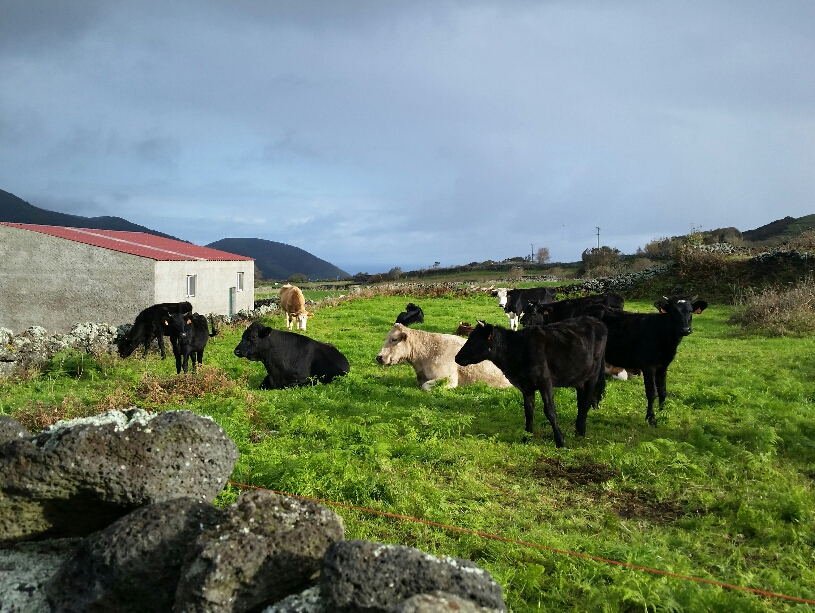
column 189, row 321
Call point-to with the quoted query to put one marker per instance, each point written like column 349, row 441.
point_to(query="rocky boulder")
column 77, row 477
column 268, row 547
column 134, row 564
column 360, row 576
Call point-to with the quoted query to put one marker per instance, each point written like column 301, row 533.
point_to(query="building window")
column 239, row 284
column 191, row 286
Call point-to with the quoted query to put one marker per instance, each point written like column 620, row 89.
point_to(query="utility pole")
column 531, row 252
column 598, row 237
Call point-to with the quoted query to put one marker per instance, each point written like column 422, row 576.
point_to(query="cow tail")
column 599, row 384
column 212, row 323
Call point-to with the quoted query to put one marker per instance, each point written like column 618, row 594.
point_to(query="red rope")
column 586, row 556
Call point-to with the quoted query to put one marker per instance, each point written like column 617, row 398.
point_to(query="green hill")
column 17, row 210
column 278, row 260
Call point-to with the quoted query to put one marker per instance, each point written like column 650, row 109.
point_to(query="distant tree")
column 516, row 272
column 600, row 256
column 258, row 273
column 298, row 277
column 394, row 273
column 543, row 255
column 361, row 277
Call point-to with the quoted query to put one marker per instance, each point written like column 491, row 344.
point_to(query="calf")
column 290, row 359
column 464, row 328
column 542, row 313
column 565, row 354
column 150, row 323
column 648, row 341
column 188, row 335
column 432, row 356
column 293, row 305
column 411, row 315
column 518, row 301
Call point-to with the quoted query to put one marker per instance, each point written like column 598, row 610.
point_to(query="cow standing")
column 188, row 335
column 293, row 304
column 150, row 323
column 648, row 341
column 540, row 313
column 290, row 359
column 565, row 354
column 433, row 357
column 518, row 302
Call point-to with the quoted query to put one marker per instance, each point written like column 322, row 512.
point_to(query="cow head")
column 396, row 347
column 501, row 292
column 480, row 345
column 681, row 310
column 250, row 345
column 177, row 325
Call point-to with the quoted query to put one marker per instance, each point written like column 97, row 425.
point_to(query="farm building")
column 55, row 277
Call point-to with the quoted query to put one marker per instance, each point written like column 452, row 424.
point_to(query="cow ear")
column 311, row 314
column 265, row 332
column 699, row 306
column 661, row 305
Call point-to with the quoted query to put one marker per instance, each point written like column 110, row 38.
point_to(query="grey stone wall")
column 54, row 283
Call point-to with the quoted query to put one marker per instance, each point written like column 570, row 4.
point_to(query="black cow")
column 290, row 359
column 518, row 301
column 188, row 334
column 150, row 323
column 542, row 313
column 565, row 354
column 648, row 341
column 411, row 315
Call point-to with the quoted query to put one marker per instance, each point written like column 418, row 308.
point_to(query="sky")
column 382, row 134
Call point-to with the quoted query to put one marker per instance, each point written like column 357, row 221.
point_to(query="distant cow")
column 290, row 359
column 648, row 341
column 541, row 313
column 464, row 328
column 188, row 335
column 518, row 302
column 432, row 356
column 564, row 354
column 293, row 305
column 149, row 324
column 411, row 315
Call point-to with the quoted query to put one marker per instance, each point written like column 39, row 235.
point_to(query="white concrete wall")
column 55, row 283
column 213, row 280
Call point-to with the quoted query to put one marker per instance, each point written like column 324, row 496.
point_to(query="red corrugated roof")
column 134, row 243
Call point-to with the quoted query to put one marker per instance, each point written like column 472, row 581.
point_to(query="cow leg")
column 193, row 359
column 551, row 414
column 649, row 378
column 177, row 361
column 160, row 337
column 146, row 347
column 661, row 378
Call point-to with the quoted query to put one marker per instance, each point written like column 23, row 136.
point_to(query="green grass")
column 721, row 489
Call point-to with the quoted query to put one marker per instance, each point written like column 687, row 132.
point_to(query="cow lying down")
column 290, row 359
column 433, row 356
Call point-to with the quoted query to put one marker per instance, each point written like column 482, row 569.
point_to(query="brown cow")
column 293, row 305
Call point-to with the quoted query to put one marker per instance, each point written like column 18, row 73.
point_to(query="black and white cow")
column 518, row 301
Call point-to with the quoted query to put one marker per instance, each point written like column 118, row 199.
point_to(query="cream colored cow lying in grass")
column 433, row 358
column 293, row 305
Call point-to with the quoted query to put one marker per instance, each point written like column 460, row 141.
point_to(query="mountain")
column 780, row 230
column 278, row 260
column 17, row 210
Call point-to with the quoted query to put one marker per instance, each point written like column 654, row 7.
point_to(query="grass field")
column 722, row 489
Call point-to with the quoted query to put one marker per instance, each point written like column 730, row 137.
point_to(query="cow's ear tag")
column 663, row 311
column 491, row 336
column 697, row 311
column 189, row 321
column 166, row 323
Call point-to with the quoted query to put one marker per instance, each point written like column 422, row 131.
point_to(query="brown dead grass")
column 779, row 311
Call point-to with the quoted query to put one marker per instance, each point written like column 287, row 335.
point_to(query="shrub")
column 641, row 264
column 779, row 312
column 298, row 277
column 803, row 242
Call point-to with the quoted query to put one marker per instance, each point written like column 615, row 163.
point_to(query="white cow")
column 293, row 305
column 433, row 356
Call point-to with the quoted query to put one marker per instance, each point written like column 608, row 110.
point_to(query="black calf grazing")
column 411, row 315
column 188, row 335
column 648, row 341
column 566, row 354
column 290, row 359
column 150, row 323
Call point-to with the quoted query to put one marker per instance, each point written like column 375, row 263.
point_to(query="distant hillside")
column 17, row 210
column 780, row 230
column 278, row 260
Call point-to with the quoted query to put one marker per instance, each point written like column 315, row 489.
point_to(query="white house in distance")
column 55, row 277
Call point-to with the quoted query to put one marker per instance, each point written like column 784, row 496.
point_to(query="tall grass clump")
column 779, row 312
